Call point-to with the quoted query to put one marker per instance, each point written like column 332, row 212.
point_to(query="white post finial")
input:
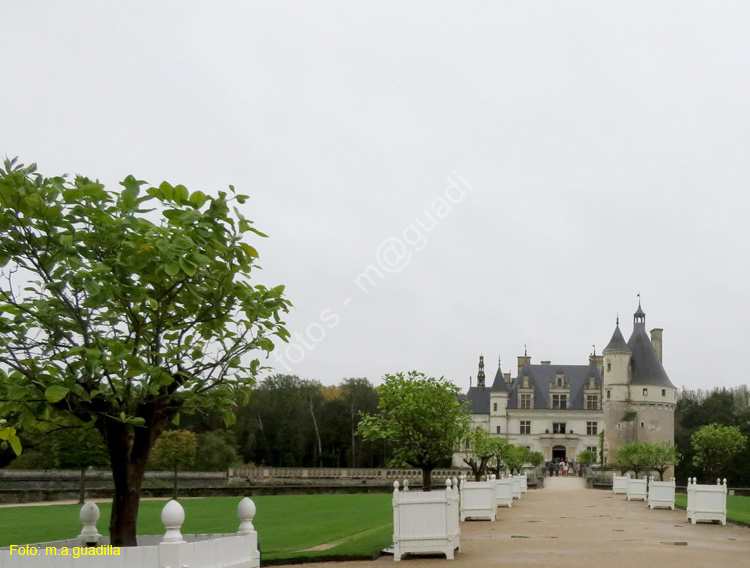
column 246, row 512
column 89, row 515
column 406, row 485
column 725, row 481
column 455, row 482
column 173, row 516
column 447, row 484
column 395, row 486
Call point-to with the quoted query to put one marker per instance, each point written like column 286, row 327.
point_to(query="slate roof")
column 617, row 343
column 479, row 400
column 540, row 376
column 646, row 369
column 499, row 384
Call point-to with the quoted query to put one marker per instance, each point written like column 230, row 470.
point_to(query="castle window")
column 645, row 392
column 609, row 394
column 525, row 426
column 609, row 365
column 643, row 424
column 591, row 428
column 559, row 401
column 592, row 402
column 494, row 407
column 526, row 401
column 558, row 427
column 591, row 448
column 664, row 392
column 559, row 382
column 497, row 429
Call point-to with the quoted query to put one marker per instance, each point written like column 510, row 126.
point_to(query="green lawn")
column 738, row 508
column 287, row 525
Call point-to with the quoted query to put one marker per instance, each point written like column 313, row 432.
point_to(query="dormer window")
column 559, row 401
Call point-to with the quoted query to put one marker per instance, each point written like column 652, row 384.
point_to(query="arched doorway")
column 558, row 452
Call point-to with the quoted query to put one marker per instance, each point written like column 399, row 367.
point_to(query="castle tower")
column 480, row 373
column 618, row 430
column 653, row 395
column 499, row 403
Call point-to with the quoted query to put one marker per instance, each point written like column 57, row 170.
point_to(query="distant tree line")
column 287, row 422
column 724, row 408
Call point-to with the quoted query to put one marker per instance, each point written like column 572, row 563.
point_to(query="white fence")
column 173, row 550
column 661, row 494
column 707, row 502
column 425, row 522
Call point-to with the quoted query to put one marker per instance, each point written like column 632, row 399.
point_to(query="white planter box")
column 619, row 484
column 524, row 482
column 504, row 492
column 478, row 500
column 707, row 502
column 425, row 522
column 516, row 487
column 661, row 494
column 637, row 489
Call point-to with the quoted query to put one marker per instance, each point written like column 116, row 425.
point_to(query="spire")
column 617, row 343
column 639, row 317
column 480, row 374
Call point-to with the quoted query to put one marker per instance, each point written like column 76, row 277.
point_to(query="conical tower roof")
column 617, row 343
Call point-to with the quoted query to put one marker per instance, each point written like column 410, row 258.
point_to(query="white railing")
column 478, row 499
column 637, row 488
column 707, row 502
column 236, row 550
column 661, row 494
column 619, row 484
column 425, row 522
column 504, row 491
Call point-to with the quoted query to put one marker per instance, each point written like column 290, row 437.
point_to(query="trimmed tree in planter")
column 479, row 451
column 420, row 418
column 715, row 446
column 120, row 310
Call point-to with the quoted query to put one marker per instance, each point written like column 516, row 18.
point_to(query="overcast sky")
column 502, row 174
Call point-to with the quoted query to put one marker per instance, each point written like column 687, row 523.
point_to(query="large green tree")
column 122, row 309
column 421, row 419
column 478, row 450
column 715, row 446
column 174, row 450
column 662, row 456
column 635, row 457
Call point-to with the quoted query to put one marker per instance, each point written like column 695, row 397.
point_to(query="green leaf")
column 198, row 198
column 173, row 268
column 180, row 193
column 15, row 443
column 250, row 251
column 187, row 267
column 55, row 393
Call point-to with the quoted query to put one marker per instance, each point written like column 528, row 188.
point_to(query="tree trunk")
column 129, row 448
column 426, row 479
column 82, row 488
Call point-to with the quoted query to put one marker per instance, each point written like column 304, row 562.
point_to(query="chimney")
column 598, row 362
column 656, row 341
column 506, row 378
column 523, row 360
column 546, row 363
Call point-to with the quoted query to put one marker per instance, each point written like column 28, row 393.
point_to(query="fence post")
column 89, row 515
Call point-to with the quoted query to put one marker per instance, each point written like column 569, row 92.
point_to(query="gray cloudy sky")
column 504, row 173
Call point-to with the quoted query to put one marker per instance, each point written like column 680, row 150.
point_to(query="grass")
column 357, row 525
column 738, row 508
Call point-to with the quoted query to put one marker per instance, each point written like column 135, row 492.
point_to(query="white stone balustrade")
column 174, row 549
column 637, row 488
column 661, row 494
column 707, row 502
column 619, row 484
column 478, row 499
column 425, row 522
